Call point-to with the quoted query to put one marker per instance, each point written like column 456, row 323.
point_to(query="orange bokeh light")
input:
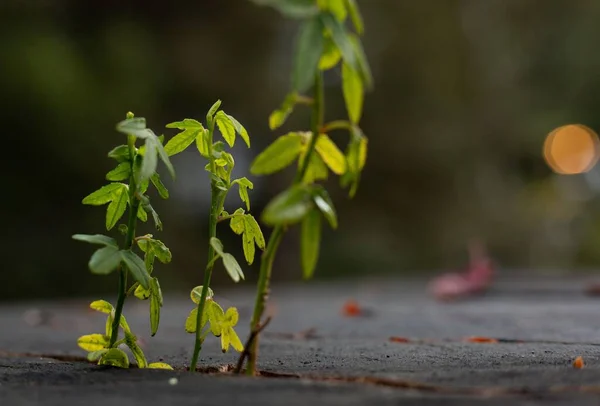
column 572, row 149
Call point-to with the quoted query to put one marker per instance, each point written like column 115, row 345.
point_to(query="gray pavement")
column 312, row 353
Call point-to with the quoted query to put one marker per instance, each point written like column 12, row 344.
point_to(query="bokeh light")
column 572, row 149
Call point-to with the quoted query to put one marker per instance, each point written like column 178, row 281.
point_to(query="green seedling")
column 137, row 167
column 324, row 43
column 220, row 165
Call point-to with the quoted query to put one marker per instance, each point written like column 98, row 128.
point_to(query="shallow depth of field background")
column 466, row 93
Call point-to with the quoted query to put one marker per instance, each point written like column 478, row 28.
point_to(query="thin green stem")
column 216, row 207
column 134, row 204
column 268, row 256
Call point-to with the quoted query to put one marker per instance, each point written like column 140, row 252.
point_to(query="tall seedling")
column 208, row 316
column 324, row 42
column 129, row 182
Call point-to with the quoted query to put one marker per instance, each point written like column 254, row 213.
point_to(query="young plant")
column 208, row 316
column 324, row 43
column 129, row 182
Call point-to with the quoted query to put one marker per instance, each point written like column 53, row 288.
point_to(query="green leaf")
column 136, row 267
column 165, row 158
column 331, row 155
column 298, row 9
column 309, row 48
column 288, row 207
column 203, row 143
column 352, row 86
column 213, row 109
column 116, row 358
column 282, row 152
column 186, row 124
column 248, row 246
column 142, row 293
column 102, row 306
column 157, row 222
column 121, row 172
column 156, row 302
column 216, row 316
column 253, row 228
column 217, row 245
column 105, row 260
column 239, row 128
column 340, row 37
column 142, row 215
column 120, row 153
column 331, row 55
column 182, row 140
column 95, row 355
column 316, row 170
column 150, row 160
column 355, row 16
column 278, row 117
column 103, row 195
column 337, row 8
column 160, row 365
column 237, row 224
column 363, row 65
column 160, row 187
column 226, row 127
column 190, row 322
column 234, row 340
column 93, row 342
column 96, row 239
column 157, row 247
column 325, row 205
column 310, row 241
column 196, row 293
column 233, row 268
column 134, row 126
column 117, row 206
column 138, row 354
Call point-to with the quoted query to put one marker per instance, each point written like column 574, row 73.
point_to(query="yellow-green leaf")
column 237, row 224
column 156, row 303
column 105, row 260
column 310, row 241
column 362, row 152
column 203, row 143
column 138, row 354
column 142, row 215
column 248, row 245
column 282, row 152
column 316, row 170
column 160, row 365
column 353, row 89
column 117, row 206
column 93, row 342
column 288, row 207
column 331, row 154
column 252, row 227
column 331, row 55
column 325, row 205
column 355, row 16
column 103, row 195
column 226, row 127
column 196, row 294
column 337, row 7
column 235, row 340
column 278, row 117
column 233, row 268
column 102, row 306
column 239, row 128
column 116, row 358
column 181, row 141
column 95, row 355
column 142, row 293
column 121, row 172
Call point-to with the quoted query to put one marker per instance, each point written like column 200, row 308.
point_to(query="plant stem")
column 268, row 256
column 216, row 206
column 134, row 205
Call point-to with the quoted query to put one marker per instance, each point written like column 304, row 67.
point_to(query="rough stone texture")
column 542, row 325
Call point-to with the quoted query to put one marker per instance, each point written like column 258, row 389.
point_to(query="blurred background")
column 466, row 94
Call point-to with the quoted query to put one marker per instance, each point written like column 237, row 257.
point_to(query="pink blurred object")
column 476, row 279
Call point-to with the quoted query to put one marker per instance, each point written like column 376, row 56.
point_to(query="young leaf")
column 332, row 156
column 103, row 195
column 121, row 172
column 292, row 8
column 96, row 239
column 133, row 126
column 95, row 355
column 228, row 334
column 252, row 227
column 117, row 206
column 233, row 268
column 160, row 365
column 278, row 117
column 226, row 127
column 340, row 37
column 288, row 207
column 317, row 170
column 331, row 55
column 213, row 109
column 93, row 342
column 196, row 293
column 203, row 143
column 116, row 358
column 337, row 8
column 309, row 48
column 248, row 245
column 155, row 305
column 141, row 214
column 325, row 205
column 105, row 260
column 102, row 306
column 216, row 316
column 363, row 65
column 186, row 124
column 244, row 184
column 150, row 159
column 278, row 155
column 120, row 153
column 190, row 322
column 157, row 247
column 310, row 240
column 142, row 293
column 136, row 267
column 160, row 187
column 182, row 140
column 353, row 89
column 217, row 245
column 164, row 157
column 138, row 354
column 237, row 224
column 355, row 16
column 239, row 128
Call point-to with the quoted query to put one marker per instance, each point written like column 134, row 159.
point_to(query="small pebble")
column 173, row 381
column 578, row 363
